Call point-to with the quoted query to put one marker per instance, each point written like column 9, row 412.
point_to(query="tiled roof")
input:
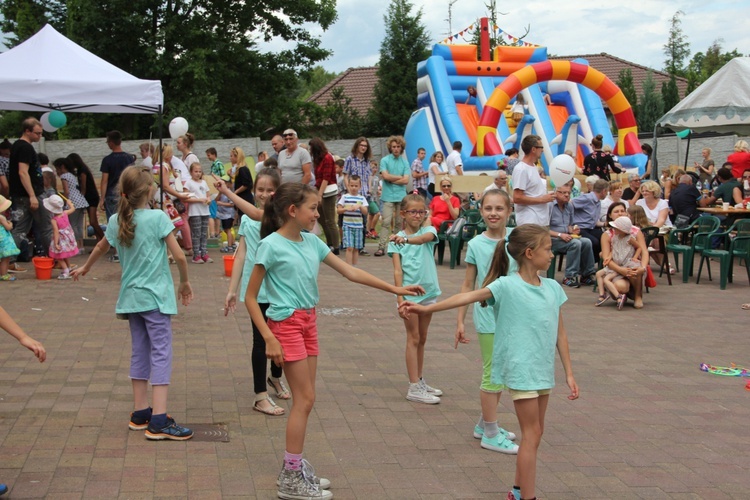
column 358, row 84
column 611, row 66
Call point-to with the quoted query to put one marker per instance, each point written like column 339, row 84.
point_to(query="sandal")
column 281, row 392
column 621, row 301
column 274, row 410
column 379, row 253
column 745, row 306
column 604, row 297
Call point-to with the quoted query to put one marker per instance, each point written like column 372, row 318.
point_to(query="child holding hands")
column 524, row 345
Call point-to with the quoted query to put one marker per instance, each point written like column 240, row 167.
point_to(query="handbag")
column 179, row 206
column 650, row 280
column 681, row 221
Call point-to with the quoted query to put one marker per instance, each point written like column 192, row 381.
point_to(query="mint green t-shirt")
column 291, row 272
column 479, row 252
column 527, row 317
column 250, row 230
column 146, row 282
column 394, row 193
column 418, row 264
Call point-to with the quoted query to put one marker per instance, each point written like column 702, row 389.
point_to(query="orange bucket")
column 228, row 264
column 43, row 267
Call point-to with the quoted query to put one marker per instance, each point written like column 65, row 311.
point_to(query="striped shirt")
column 353, row 218
column 355, row 166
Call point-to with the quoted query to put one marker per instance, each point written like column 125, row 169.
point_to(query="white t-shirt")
column 440, row 168
column 200, row 190
column 453, row 162
column 526, row 178
column 653, row 215
column 290, row 165
column 189, row 159
column 181, row 168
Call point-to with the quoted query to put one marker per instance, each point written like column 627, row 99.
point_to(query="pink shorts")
column 298, row 334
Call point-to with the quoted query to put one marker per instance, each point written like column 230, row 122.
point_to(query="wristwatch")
column 406, row 239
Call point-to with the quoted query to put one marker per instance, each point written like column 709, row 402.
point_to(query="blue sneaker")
column 3, row 489
column 500, row 444
column 514, row 494
column 170, row 431
column 479, row 433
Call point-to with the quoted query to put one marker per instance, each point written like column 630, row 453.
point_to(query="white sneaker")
column 418, row 394
column 431, row 390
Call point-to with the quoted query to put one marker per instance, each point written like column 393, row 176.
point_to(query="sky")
column 635, row 31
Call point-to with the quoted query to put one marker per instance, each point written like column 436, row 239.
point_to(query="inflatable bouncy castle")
column 562, row 103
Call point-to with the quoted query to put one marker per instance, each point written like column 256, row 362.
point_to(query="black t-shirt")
column 684, row 201
column 244, row 178
column 24, row 152
column 113, row 164
column 627, row 194
column 599, row 163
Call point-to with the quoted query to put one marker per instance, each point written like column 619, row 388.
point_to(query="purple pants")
column 151, row 358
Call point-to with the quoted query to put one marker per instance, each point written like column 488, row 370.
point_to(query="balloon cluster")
column 53, row 120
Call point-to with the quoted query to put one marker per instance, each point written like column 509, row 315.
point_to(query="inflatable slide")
column 562, row 103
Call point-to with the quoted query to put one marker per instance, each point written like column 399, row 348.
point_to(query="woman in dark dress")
column 598, row 162
column 87, row 186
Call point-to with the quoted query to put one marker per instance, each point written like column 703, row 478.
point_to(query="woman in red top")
column 740, row 159
column 325, row 175
column 446, row 206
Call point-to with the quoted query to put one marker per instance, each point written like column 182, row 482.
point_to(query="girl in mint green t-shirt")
column 412, row 251
column 141, row 237
column 495, row 208
column 287, row 263
column 524, row 345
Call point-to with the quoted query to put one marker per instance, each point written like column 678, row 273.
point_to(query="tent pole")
column 161, row 170
column 654, row 162
column 687, row 152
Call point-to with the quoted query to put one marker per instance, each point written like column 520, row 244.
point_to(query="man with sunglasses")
column 530, row 196
column 295, row 162
column 25, row 185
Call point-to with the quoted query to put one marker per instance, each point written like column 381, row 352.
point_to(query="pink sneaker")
column 207, row 259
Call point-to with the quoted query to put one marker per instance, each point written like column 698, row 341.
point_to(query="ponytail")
column 135, row 187
column 126, row 226
column 270, row 222
column 275, row 213
column 498, row 267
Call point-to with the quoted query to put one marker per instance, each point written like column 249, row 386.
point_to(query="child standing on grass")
column 141, row 237
column 287, row 263
column 63, row 245
column 198, row 214
column 10, row 326
column 523, row 357
column 353, row 206
column 495, row 208
column 8, row 246
column 267, row 181
column 412, row 251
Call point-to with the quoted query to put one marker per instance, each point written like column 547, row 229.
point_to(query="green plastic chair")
column 470, row 229
column 739, row 246
column 702, row 230
column 442, row 238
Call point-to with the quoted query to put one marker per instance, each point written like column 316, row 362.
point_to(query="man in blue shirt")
column 586, row 211
column 566, row 239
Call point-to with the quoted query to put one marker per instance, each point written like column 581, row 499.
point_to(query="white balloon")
column 577, row 184
column 562, row 169
column 46, row 125
column 177, row 127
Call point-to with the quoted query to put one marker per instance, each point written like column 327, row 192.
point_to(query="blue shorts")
column 353, row 237
column 212, row 208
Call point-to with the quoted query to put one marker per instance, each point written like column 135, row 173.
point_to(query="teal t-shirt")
column 418, row 264
column 480, row 252
column 527, row 317
column 394, row 193
column 250, row 230
column 291, row 272
column 146, row 282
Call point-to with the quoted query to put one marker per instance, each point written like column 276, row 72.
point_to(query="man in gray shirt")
column 566, row 239
column 294, row 162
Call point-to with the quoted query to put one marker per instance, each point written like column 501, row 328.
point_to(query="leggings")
column 199, row 233
column 259, row 359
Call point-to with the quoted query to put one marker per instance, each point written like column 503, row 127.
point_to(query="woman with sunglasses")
column 446, row 206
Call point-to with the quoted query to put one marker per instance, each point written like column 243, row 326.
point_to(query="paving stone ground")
column 649, row 423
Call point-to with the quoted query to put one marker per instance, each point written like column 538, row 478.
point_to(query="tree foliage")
column 205, row 53
column 702, row 66
column 650, row 105
column 625, row 82
column 670, row 95
column 677, row 48
column 405, row 44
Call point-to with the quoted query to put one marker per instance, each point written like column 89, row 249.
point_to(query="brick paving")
column 649, row 423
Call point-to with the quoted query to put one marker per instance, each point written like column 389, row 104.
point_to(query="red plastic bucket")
column 228, row 264
column 43, row 267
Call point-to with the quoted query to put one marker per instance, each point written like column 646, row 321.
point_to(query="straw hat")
column 54, row 204
column 5, row 203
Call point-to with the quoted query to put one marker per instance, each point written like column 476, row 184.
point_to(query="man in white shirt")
column 454, row 162
column 530, row 196
column 294, row 162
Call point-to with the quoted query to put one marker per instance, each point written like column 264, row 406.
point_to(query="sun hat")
column 5, row 203
column 54, row 204
column 624, row 224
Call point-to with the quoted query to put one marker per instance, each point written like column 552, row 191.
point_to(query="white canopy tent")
column 721, row 104
column 49, row 71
